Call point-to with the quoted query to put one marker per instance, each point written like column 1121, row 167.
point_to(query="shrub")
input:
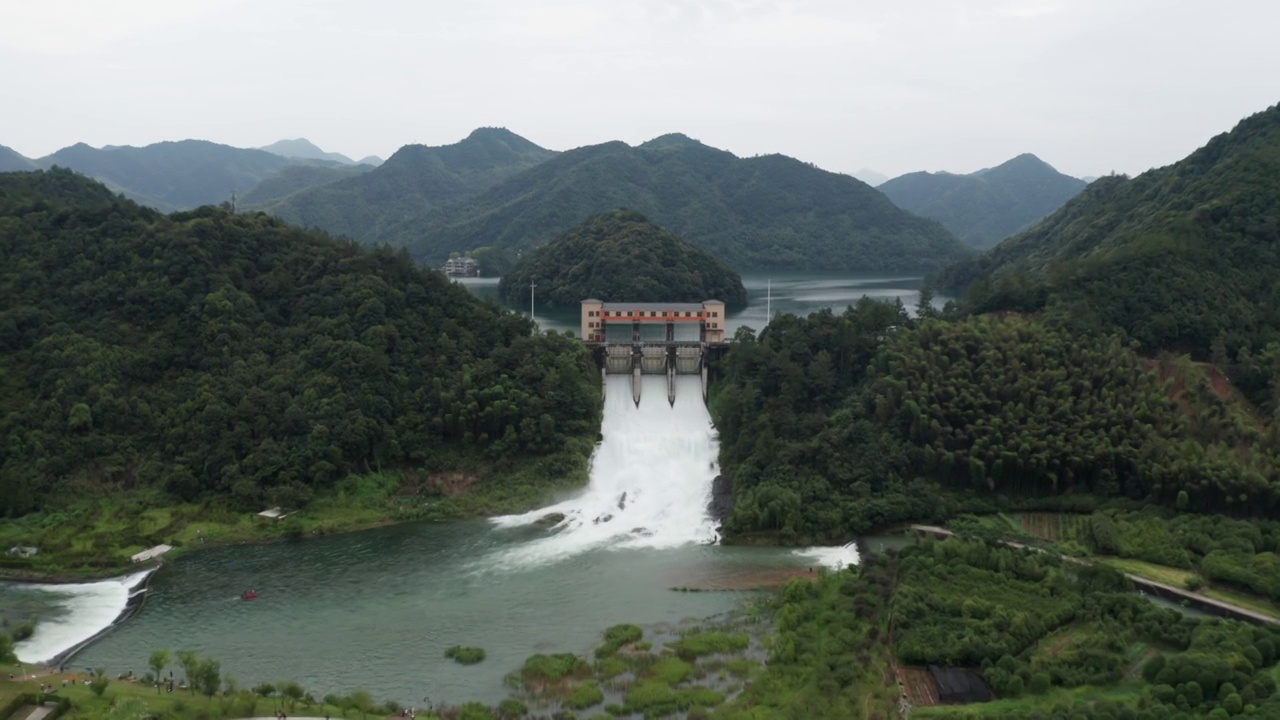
column 465, row 655
column 617, row 636
column 584, row 696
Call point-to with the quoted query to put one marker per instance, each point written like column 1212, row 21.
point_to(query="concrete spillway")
column 639, row 360
column 650, row 479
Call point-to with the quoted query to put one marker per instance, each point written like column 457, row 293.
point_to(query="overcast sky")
column 1090, row 86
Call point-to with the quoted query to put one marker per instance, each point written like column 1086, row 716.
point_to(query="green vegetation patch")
column 700, row 643
column 465, row 655
column 553, row 668
column 617, row 636
column 584, row 696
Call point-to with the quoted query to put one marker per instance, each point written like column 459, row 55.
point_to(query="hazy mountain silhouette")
column 985, row 207
column 305, row 149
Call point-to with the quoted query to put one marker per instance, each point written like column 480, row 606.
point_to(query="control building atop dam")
column 634, row 354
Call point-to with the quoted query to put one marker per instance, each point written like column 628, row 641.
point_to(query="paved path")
column 39, row 713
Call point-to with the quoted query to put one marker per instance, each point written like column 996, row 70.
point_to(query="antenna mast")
column 532, row 285
column 768, row 302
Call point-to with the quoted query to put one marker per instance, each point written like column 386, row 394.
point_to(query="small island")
column 621, row 256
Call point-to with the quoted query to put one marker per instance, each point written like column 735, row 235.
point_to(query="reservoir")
column 376, row 610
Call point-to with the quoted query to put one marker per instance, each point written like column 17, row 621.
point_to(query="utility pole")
column 768, row 302
column 532, row 285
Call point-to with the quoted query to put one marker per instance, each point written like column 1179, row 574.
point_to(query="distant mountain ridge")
column 304, row 149
column 12, row 161
column 172, row 176
column 985, row 207
column 412, row 181
column 770, row 211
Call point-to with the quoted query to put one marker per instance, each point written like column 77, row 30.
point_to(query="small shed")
column 151, row 553
column 958, row 685
column 274, row 513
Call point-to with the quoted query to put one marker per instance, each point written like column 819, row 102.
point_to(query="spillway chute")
column 650, row 482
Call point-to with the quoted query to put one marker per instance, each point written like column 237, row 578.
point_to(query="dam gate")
column 638, row 356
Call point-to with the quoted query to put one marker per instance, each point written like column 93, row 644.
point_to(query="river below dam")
column 375, row 610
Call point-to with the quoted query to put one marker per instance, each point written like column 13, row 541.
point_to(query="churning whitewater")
column 650, row 482
column 87, row 609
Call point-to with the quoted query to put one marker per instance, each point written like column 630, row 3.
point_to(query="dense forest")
column 1180, row 258
column 621, row 256
column 835, row 424
column 762, row 212
column 210, row 353
column 987, row 206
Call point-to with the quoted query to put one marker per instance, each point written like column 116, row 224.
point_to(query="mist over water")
column 650, row 479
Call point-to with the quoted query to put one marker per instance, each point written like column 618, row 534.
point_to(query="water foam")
column 834, row 557
column 650, row 483
column 88, row 609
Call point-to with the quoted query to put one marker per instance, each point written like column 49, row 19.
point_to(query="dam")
column 630, row 352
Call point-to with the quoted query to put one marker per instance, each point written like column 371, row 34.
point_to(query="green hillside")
column 987, row 206
column 770, row 211
column 205, row 354
column 1179, row 258
column 171, row 175
column 411, row 182
column 294, row 179
column 621, row 256
column 11, row 161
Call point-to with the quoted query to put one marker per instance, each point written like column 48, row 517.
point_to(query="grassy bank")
column 132, row 699
column 95, row 536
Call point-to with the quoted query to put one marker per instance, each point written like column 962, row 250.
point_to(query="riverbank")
column 94, row 538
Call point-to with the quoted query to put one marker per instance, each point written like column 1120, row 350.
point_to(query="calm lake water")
column 376, row 609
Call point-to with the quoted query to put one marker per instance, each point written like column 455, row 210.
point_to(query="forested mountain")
column 171, row 175
column 987, row 206
column 770, row 211
column 621, row 256
column 294, row 179
column 411, row 182
column 373, row 160
column 11, row 161
column 1183, row 257
column 210, row 353
column 305, row 149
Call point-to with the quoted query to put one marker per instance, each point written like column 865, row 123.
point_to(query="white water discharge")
column 650, row 478
column 835, row 557
column 88, row 609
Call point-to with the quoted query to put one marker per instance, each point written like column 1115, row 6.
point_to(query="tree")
column 209, row 676
column 293, row 691
column 7, row 656
column 158, row 661
column 189, row 661
column 361, row 702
